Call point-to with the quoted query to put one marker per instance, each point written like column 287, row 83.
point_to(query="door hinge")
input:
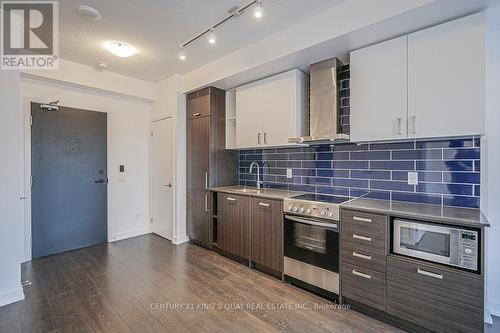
column 151, row 133
column 151, row 220
column 31, row 120
column 31, row 181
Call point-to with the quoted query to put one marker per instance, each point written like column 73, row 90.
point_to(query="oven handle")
column 317, row 224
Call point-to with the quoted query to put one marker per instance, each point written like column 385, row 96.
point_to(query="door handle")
column 414, row 124
column 206, row 180
column 356, row 236
column 206, row 203
column 362, row 256
column 263, row 204
column 363, row 275
column 101, row 181
column 197, row 114
column 168, row 185
column 265, row 137
column 231, row 199
column 258, row 138
column 400, row 130
column 361, row 219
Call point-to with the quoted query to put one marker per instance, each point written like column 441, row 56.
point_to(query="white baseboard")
column 179, row 240
column 11, row 296
column 128, row 234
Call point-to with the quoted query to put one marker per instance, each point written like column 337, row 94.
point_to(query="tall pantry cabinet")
column 209, row 164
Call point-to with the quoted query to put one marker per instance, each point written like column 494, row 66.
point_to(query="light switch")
column 121, row 173
column 288, row 173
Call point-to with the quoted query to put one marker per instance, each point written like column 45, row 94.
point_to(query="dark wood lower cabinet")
column 267, row 233
column 233, row 224
column 198, row 216
column 437, row 298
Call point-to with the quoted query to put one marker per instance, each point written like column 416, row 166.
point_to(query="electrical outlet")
column 412, row 178
column 288, row 173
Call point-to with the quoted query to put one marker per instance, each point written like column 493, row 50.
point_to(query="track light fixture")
column 211, row 36
column 258, row 12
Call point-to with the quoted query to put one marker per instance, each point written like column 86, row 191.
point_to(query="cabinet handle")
column 231, row 199
column 414, row 124
column 206, row 203
column 197, row 114
column 356, row 236
column 361, row 219
column 206, row 180
column 362, row 256
column 400, row 130
column 433, row 275
column 363, row 275
column 258, row 138
column 265, row 137
column 263, row 204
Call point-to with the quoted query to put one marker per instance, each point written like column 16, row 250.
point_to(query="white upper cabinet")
column 270, row 111
column 446, row 79
column 428, row 84
column 379, row 91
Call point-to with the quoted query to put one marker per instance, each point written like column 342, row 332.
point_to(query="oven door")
column 312, row 241
column 424, row 241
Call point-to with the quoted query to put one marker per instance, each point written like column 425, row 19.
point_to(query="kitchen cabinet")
column 272, row 110
column 233, row 224
column 267, row 233
column 208, row 163
column 446, row 79
column 428, row 84
column 379, row 91
column 438, row 298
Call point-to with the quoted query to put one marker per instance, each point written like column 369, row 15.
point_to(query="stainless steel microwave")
column 452, row 245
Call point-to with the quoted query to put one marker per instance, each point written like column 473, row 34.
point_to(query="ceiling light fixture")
column 89, row 12
column 211, row 36
column 121, row 49
column 182, row 54
column 258, row 11
column 210, row 32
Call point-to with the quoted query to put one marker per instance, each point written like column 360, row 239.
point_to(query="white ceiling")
column 157, row 28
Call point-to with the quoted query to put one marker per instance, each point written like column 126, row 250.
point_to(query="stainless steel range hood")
column 324, row 105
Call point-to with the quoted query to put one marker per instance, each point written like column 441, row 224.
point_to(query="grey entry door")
column 69, row 180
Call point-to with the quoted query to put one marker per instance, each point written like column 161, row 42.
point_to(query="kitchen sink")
column 248, row 190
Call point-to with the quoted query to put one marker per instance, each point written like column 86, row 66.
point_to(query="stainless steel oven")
column 311, row 249
column 449, row 245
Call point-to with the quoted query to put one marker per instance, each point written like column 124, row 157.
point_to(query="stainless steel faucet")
column 258, row 173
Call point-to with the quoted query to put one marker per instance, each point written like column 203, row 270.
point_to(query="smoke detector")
column 89, row 12
column 101, row 66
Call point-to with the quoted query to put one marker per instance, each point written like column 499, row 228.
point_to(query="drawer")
column 438, row 298
column 364, row 257
column 364, row 240
column 360, row 221
column 363, row 285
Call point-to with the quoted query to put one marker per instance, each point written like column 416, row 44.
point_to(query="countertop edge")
column 257, row 195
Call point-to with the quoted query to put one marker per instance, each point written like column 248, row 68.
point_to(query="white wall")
column 11, row 227
column 490, row 161
column 128, row 144
column 171, row 102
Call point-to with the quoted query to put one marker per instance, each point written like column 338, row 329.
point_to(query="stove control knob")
column 295, row 209
column 330, row 214
column 301, row 210
column 322, row 213
column 308, row 211
column 468, row 251
column 289, row 208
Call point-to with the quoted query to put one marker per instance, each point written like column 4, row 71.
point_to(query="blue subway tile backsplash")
column 448, row 170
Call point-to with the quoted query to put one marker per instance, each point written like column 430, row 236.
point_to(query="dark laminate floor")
column 121, row 287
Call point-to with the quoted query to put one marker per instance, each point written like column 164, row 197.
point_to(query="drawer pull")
column 361, row 219
column 263, row 204
column 433, row 275
column 206, row 203
column 363, row 275
column 362, row 256
column 356, row 236
column 197, row 114
column 231, row 199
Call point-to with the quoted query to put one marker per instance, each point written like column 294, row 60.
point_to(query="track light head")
column 211, row 36
column 182, row 54
column 258, row 11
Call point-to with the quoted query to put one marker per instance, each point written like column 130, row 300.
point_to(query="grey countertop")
column 432, row 213
column 252, row 192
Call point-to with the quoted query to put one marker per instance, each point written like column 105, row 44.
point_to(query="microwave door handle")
column 314, row 223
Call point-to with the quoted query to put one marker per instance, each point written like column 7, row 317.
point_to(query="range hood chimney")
column 324, row 105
